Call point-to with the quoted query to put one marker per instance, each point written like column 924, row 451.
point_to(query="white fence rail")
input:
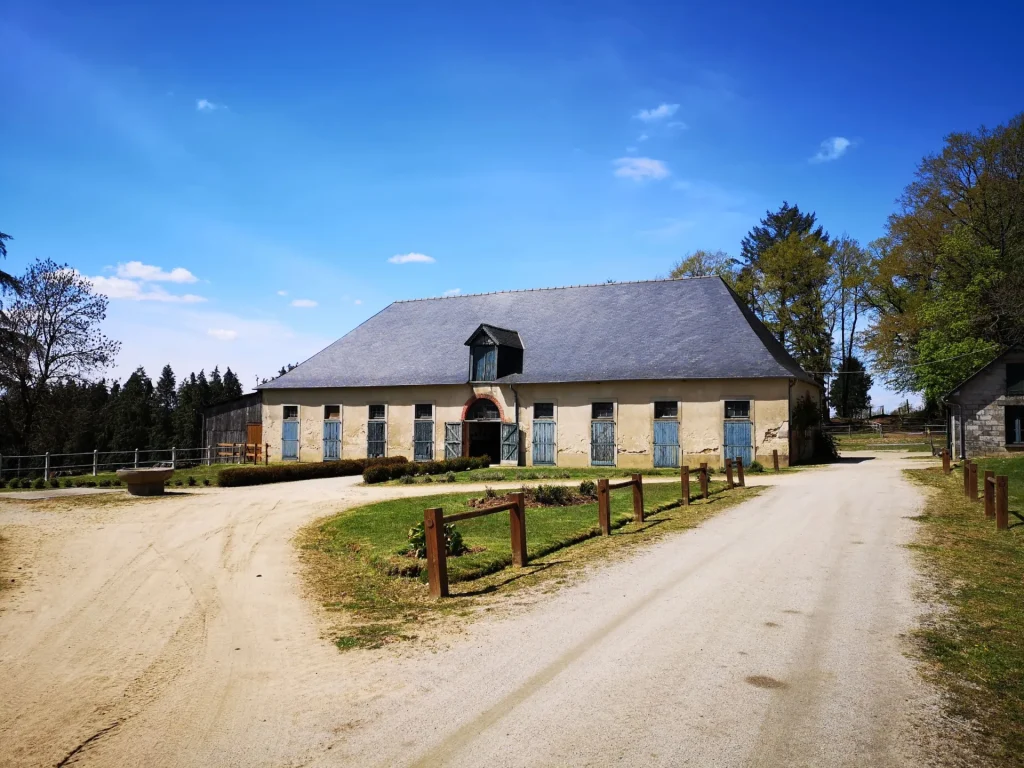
column 47, row 465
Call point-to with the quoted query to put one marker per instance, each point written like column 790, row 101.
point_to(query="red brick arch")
column 474, row 398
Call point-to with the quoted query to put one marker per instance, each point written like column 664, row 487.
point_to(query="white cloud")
column 660, row 112
column 640, row 168
column 452, row 292
column 121, row 288
column 222, row 334
column 358, row 301
column 205, row 105
column 832, row 149
column 136, row 270
column 642, row 137
column 304, row 303
column 282, row 293
column 412, row 258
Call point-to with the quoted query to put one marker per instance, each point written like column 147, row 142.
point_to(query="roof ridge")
column 558, row 288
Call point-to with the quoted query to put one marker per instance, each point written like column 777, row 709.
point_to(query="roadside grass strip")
column 975, row 647
column 375, row 595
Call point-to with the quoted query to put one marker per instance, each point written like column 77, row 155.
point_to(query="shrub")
column 90, row 483
column 280, row 473
column 490, row 493
column 54, row 482
column 117, row 482
column 454, row 545
column 14, row 482
column 449, row 477
column 428, row 479
column 588, row 488
column 177, row 483
column 407, row 480
column 105, row 483
column 754, row 466
column 39, row 483
column 191, row 481
column 377, row 474
column 206, row 481
column 397, row 471
column 553, row 495
column 68, row 483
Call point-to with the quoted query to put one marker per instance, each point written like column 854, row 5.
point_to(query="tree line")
column 924, row 306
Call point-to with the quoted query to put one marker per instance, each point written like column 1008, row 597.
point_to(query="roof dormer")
column 494, row 353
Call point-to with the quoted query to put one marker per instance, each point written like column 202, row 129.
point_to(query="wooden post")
column 46, row 467
column 739, row 470
column 704, row 479
column 945, row 461
column 967, row 476
column 638, row 498
column 1002, row 503
column 136, row 458
column 174, row 457
column 517, row 524
column 684, row 479
column 728, row 474
column 604, row 515
column 775, row 459
column 972, row 490
column 437, row 554
column 95, row 461
column 266, row 453
column 989, row 493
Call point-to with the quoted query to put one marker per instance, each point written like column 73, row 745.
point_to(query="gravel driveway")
column 171, row 633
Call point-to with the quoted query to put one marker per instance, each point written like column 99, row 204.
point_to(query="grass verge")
column 350, row 559
column 200, row 473
column 975, row 649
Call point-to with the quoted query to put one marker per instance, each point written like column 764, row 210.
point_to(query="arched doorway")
column 483, row 429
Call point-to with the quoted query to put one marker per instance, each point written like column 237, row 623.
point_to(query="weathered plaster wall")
column 701, row 410
column 984, row 400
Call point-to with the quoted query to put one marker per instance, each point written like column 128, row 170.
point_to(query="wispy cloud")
column 205, row 105
column 452, row 292
column 303, row 303
column 677, row 125
column 132, row 290
column 358, row 301
column 640, row 168
column 282, row 293
column 659, row 112
column 832, row 149
column 642, row 137
column 222, row 334
column 412, row 258
column 136, row 270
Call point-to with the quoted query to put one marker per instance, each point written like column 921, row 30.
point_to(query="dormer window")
column 494, row 353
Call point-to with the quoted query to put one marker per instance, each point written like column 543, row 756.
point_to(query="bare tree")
column 50, row 333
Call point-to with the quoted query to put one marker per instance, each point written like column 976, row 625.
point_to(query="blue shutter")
column 739, row 442
column 666, row 443
column 544, row 442
column 423, row 441
column 290, row 440
column 376, row 439
column 452, row 439
column 485, row 362
column 510, row 442
column 332, row 440
column 602, row 443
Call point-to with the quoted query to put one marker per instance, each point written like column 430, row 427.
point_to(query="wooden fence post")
column 604, row 516
column 945, row 461
column 517, row 524
column 728, row 474
column 972, row 491
column 967, row 476
column 266, row 453
column 638, row 498
column 775, row 459
column 989, row 488
column 1002, row 503
column 739, row 471
column 437, row 553
column 684, row 478
column 704, row 479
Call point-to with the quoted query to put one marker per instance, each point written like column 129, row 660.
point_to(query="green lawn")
column 891, row 441
column 976, row 648
column 199, row 472
column 523, row 474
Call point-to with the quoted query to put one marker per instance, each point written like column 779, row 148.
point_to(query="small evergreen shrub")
column 398, row 470
column 39, row 484
column 54, row 482
column 490, row 493
column 14, row 482
column 449, row 477
column 407, row 479
column 117, row 482
column 377, row 474
column 754, row 466
column 105, row 483
column 68, row 483
column 206, row 481
column 177, row 483
column 454, row 545
column 553, row 495
column 191, row 481
column 280, row 473
column 588, row 488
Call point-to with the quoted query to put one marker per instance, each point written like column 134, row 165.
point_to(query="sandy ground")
column 170, row 632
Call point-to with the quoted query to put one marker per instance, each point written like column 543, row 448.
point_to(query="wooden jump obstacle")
column 434, row 522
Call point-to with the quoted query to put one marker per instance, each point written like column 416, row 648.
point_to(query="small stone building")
column 654, row 373
column 986, row 412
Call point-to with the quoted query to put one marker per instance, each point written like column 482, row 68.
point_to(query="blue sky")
column 278, row 156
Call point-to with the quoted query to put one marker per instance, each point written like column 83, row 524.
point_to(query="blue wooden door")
column 510, row 443
column 544, row 442
column 452, row 439
column 739, row 442
column 666, row 443
column 290, row 440
column 376, row 439
column 423, row 441
column 602, row 443
column 332, row 440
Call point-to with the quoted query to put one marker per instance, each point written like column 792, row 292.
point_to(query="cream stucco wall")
column 701, row 412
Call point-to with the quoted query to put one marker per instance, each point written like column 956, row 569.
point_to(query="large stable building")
column 654, row 373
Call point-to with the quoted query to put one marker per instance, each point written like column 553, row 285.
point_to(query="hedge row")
column 379, row 474
column 282, row 473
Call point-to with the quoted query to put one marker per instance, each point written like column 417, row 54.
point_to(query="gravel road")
column 171, row 633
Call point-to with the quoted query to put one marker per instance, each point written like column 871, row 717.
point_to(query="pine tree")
column 132, row 414
column 232, row 386
column 849, row 391
column 165, row 401
column 216, row 387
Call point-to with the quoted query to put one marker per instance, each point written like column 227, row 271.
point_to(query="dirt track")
column 171, row 633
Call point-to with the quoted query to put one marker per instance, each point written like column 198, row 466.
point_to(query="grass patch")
column 891, row 441
column 976, row 648
column 351, row 561
column 200, row 473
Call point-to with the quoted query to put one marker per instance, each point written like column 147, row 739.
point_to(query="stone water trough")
column 145, row 482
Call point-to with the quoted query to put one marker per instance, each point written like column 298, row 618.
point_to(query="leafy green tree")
column 849, row 390
column 8, row 282
column 702, row 263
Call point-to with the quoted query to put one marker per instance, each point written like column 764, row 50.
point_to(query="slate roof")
column 501, row 336
column 693, row 328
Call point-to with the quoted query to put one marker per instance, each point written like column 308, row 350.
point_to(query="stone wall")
column 983, row 401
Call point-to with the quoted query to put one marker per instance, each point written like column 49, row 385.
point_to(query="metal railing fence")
column 47, row 465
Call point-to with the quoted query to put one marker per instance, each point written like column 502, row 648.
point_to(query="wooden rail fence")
column 434, row 522
column 738, row 464
column 604, row 502
column 995, row 492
